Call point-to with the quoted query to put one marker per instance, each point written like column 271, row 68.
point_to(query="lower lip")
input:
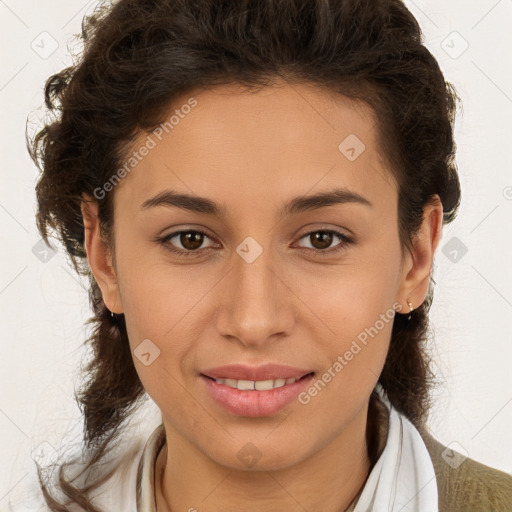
column 252, row 403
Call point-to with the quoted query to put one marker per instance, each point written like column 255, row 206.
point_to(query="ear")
column 419, row 258
column 99, row 255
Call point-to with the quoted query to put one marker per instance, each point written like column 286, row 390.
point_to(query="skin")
column 252, row 152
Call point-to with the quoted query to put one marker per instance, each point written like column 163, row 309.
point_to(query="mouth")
column 258, row 385
column 256, row 398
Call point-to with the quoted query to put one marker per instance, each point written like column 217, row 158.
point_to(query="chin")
column 258, row 456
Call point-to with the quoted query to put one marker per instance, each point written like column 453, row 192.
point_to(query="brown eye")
column 191, row 240
column 185, row 243
column 321, row 241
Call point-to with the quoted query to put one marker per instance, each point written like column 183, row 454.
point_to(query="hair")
column 141, row 55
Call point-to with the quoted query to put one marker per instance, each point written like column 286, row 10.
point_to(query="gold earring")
column 409, row 303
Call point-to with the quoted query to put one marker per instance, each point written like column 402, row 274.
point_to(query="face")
column 258, row 275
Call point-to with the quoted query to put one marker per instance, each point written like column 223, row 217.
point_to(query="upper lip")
column 255, row 373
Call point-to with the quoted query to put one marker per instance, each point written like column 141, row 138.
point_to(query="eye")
column 322, row 239
column 190, row 240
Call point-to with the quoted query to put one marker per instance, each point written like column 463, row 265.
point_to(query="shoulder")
column 465, row 484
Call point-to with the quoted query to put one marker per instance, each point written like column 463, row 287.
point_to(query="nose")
column 256, row 305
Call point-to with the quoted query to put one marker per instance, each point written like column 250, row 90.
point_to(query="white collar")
column 403, row 478
column 146, row 471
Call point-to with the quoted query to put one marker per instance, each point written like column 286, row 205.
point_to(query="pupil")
column 191, row 240
column 324, row 238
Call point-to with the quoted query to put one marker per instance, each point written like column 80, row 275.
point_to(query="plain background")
column 44, row 306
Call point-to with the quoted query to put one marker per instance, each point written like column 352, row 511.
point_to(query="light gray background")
column 43, row 306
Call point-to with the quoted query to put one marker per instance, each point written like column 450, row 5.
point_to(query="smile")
column 255, row 398
column 258, row 385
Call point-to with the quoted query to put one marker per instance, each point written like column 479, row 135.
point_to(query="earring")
column 411, row 309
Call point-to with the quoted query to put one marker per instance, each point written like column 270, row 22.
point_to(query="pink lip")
column 254, row 403
column 264, row 372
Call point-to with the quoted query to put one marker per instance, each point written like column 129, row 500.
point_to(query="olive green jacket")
column 465, row 485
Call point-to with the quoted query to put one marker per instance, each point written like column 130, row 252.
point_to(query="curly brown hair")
column 139, row 55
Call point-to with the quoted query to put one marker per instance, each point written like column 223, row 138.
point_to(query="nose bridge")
column 255, row 303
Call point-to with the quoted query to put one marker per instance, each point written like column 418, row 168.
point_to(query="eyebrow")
column 198, row 204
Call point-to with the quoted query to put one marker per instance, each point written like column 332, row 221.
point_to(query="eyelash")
column 164, row 241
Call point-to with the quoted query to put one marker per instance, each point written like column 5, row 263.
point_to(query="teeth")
column 264, row 385
column 259, row 385
column 279, row 383
column 245, row 384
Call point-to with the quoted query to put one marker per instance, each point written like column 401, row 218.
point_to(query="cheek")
column 352, row 296
column 159, row 298
column 357, row 303
column 155, row 307
column 353, row 359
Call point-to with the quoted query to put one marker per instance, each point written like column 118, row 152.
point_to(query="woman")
column 257, row 190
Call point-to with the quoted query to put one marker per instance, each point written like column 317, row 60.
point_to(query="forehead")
column 270, row 144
